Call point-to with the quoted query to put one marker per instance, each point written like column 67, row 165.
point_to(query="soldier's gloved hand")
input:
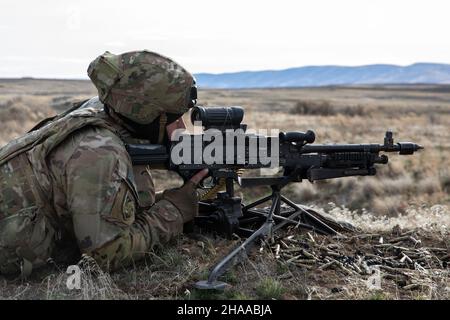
column 186, row 198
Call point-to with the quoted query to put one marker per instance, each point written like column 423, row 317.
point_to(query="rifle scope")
column 218, row 117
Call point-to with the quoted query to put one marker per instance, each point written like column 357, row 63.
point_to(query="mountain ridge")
column 316, row 76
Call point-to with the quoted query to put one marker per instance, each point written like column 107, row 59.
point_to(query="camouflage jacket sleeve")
column 102, row 200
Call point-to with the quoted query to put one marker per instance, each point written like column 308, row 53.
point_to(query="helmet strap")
column 162, row 127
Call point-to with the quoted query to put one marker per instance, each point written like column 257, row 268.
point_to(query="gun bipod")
column 274, row 219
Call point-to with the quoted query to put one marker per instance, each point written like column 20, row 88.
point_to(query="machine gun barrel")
column 387, row 146
column 400, row 147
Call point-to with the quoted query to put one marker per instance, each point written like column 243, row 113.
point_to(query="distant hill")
column 312, row 76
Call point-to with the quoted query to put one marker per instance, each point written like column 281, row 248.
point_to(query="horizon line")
column 349, row 85
column 328, row 65
column 242, row 71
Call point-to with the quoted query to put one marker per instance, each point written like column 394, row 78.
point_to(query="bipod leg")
column 240, row 253
column 258, row 202
column 318, row 224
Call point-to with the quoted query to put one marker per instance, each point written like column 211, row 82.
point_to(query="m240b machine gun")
column 295, row 153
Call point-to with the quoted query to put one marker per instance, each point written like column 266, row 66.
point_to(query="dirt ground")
column 401, row 248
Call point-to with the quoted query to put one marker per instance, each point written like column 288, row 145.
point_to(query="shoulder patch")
column 128, row 206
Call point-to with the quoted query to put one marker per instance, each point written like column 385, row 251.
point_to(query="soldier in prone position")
column 69, row 187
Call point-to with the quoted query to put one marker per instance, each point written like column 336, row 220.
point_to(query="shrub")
column 269, row 288
column 309, row 107
column 444, row 178
column 326, row 108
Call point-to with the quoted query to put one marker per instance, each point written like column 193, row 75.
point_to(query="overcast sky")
column 57, row 38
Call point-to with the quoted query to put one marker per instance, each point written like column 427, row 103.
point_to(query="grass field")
column 409, row 197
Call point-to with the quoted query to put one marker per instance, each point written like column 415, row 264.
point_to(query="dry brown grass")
column 412, row 192
column 171, row 272
column 25, row 102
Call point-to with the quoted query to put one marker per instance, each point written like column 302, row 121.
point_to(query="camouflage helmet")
column 141, row 85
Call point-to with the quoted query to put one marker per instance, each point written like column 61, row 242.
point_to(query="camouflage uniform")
column 71, row 184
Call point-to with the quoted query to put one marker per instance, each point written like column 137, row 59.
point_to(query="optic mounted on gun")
column 220, row 118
